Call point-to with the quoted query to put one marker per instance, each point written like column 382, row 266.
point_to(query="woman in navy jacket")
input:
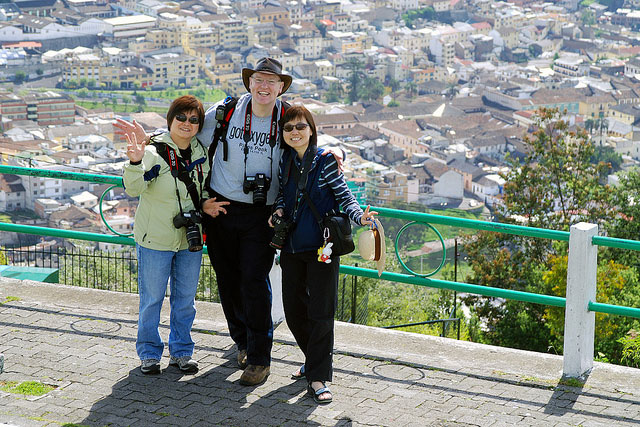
column 309, row 282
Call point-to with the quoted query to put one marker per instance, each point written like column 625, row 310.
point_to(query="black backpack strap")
column 224, row 112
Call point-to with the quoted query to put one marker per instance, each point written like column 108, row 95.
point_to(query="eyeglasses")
column 194, row 120
column 299, row 126
column 260, row 80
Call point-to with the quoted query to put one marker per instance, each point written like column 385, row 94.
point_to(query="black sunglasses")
column 194, row 120
column 289, row 127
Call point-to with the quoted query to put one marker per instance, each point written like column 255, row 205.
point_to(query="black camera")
column 281, row 229
column 190, row 221
column 259, row 184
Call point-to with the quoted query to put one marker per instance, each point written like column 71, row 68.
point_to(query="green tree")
column 91, row 84
column 557, row 184
column 394, row 85
column 355, row 78
column 370, row 89
column 411, row 88
column 607, row 155
column 83, row 93
column 126, row 100
column 589, row 124
column 427, row 13
column 71, row 84
column 335, row 92
column 39, row 71
column 616, row 284
column 140, row 100
column 452, row 90
column 554, row 186
column 19, row 77
column 83, row 82
column 587, row 17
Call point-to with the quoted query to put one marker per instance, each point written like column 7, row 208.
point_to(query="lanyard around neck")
column 273, row 130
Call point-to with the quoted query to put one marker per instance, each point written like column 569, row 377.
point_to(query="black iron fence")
column 89, row 268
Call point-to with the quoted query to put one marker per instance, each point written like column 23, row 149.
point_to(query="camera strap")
column 273, row 133
column 179, row 172
column 301, row 176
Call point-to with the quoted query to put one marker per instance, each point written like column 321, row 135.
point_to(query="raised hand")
column 368, row 217
column 135, row 150
column 125, row 128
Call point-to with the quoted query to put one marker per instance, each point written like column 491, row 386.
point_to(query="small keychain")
column 324, row 252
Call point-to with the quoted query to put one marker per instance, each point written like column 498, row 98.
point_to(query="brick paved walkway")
column 83, row 342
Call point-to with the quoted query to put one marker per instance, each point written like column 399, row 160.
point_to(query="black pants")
column 309, row 295
column 239, row 250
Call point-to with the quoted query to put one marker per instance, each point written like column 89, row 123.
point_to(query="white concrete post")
column 579, row 322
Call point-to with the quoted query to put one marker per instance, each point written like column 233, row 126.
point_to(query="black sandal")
column 317, row 393
column 300, row 374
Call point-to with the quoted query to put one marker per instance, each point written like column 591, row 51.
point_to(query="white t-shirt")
column 227, row 176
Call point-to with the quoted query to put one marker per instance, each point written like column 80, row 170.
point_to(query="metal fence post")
column 579, row 322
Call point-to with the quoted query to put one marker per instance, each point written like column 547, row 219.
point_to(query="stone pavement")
column 82, row 341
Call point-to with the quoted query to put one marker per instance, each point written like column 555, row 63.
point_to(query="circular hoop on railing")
column 444, row 249
column 102, row 215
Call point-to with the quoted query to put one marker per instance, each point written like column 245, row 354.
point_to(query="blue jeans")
column 182, row 270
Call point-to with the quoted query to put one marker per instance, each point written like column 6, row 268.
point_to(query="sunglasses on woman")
column 194, row 120
column 299, row 126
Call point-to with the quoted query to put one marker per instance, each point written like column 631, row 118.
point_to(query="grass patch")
column 20, row 214
column 571, row 382
column 121, row 108
column 9, row 299
column 26, row 388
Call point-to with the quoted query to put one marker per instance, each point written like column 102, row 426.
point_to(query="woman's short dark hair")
column 300, row 112
column 185, row 104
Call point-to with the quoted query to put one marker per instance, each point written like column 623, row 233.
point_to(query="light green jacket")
column 153, row 226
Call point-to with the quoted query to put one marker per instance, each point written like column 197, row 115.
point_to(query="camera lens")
column 194, row 238
column 281, row 231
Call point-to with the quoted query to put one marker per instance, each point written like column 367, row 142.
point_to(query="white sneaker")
column 184, row 363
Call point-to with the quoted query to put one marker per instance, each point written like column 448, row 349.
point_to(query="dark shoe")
column 319, row 392
column 242, row 359
column 300, row 374
column 150, row 366
column 185, row 363
column 255, row 375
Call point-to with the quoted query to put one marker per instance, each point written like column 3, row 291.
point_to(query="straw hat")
column 372, row 246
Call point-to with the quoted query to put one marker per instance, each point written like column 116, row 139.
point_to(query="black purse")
column 336, row 228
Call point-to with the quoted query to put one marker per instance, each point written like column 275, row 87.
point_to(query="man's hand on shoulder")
column 338, row 154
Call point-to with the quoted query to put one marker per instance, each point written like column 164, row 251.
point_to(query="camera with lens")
column 259, row 184
column 281, row 230
column 190, row 221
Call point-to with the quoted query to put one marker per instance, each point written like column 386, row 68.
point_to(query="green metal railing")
column 363, row 272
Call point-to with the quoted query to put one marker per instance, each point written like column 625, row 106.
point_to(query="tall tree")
column 411, row 88
column 355, row 79
column 554, row 186
column 335, row 92
column 370, row 90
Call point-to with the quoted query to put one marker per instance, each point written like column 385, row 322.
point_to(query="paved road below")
column 82, row 341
